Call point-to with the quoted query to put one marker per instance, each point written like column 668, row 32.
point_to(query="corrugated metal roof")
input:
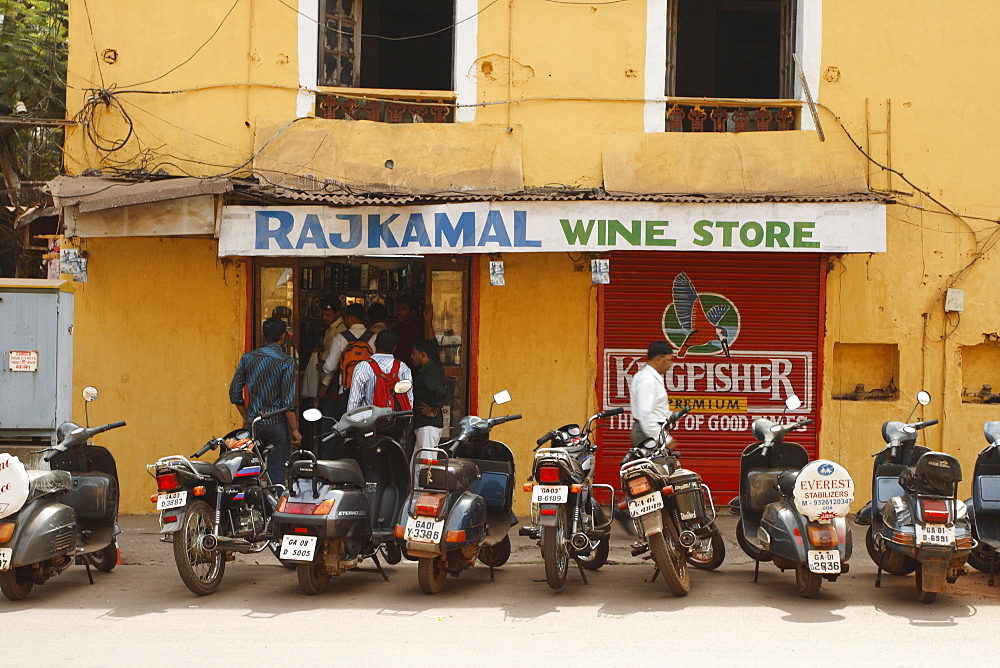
column 95, row 193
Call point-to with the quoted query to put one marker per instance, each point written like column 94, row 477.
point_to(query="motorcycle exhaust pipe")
column 580, row 541
column 209, row 542
column 688, row 538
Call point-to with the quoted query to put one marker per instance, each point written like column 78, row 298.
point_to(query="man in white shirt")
column 354, row 317
column 330, row 311
column 648, row 393
column 363, row 387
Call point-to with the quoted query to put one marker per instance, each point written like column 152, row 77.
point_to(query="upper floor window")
column 731, row 49
column 389, row 44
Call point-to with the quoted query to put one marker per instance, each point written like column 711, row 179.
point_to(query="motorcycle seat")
column 458, row 474
column 935, row 473
column 220, row 473
column 338, row 471
column 41, row 483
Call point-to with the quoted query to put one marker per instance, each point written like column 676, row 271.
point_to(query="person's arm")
column 437, row 392
column 331, row 365
column 288, row 394
column 406, row 374
column 360, row 380
column 236, row 386
column 644, row 394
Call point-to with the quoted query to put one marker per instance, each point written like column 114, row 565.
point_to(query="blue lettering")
column 280, row 234
column 521, row 231
column 416, row 231
column 312, row 233
column 379, row 231
column 354, row 225
column 494, row 232
column 445, row 231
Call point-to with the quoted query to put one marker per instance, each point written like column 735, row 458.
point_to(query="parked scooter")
column 566, row 519
column 922, row 526
column 210, row 511
column 66, row 514
column 460, row 506
column 337, row 513
column 984, row 506
column 672, row 510
column 792, row 512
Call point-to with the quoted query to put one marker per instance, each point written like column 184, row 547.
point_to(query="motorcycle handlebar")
column 679, row 414
column 329, row 437
column 610, row 412
column 211, row 445
column 545, row 439
column 108, row 427
column 505, row 418
column 925, row 423
column 271, row 414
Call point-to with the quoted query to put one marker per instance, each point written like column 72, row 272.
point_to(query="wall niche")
column 981, row 374
column 865, row 371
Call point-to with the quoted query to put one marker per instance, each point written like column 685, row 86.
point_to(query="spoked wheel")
column 807, row 582
column 555, row 552
column 431, row 574
column 313, row 577
column 708, row 553
column 105, row 560
column 749, row 548
column 598, row 556
column 669, row 558
column 924, row 596
column 16, row 583
column 200, row 569
column 981, row 558
column 497, row 554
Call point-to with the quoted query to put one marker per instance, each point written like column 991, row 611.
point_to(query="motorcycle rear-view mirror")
column 312, row 415
column 793, row 402
column 403, row 386
column 923, row 397
column 501, row 397
column 90, row 393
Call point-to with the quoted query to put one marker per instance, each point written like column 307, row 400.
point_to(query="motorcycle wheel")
column 313, row 577
column 275, row 547
column 554, row 551
column 495, row 555
column 392, row 553
column 669, row 558
column 807, row 582
column 201, row 571
column 924, row 596
column 870, row 545
column 430, row 574
column 15, row 584
column 896, row 563
column 105, row 560
column 981, row 558
column 749, row 548
column 708, row 554
column 598, row 556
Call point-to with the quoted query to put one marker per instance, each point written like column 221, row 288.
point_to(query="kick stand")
column 580, row 568
column 491, row 573
column 378, row 566
column 878, row 575
column 86, row 562
column 656, row 571
column 756, row 569
column 993, row 567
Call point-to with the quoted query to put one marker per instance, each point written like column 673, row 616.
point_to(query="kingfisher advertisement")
column 545, row 227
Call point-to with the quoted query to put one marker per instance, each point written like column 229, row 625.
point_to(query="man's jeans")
column 278, row 436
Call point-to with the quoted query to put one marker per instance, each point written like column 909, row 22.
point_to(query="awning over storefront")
column 853, row 224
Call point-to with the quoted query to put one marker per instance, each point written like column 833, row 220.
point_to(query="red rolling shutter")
column 768, row 308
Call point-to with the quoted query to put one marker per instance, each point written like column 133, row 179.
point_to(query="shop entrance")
column 295, row 289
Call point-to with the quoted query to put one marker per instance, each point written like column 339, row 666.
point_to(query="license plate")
column 6, row 554
column 171, row 500
column 824, row 561
column 549, row 494
column 935, row 534
column 424, row 529
column 645, row 504
column 297, row 548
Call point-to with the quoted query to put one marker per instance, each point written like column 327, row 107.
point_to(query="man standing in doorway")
column 429, row 393
column 365, row 379
column 354, row 318
column 648, row 399
column 410, row 328
column 268, row 374
column 330, row 311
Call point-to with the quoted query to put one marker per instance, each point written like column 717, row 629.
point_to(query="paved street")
column 143, row 610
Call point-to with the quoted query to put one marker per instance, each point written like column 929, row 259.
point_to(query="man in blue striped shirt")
column 268, row 374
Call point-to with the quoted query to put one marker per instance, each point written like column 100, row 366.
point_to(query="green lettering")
column 602, row 232
column 577, row 234
column 803, row 232
column 617, row 229
column 777, row 234
column 727, row 227
column 751, row 234
column 701, row 228
column 655, row 231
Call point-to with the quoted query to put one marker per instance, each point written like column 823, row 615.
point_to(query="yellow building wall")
column 159, row 328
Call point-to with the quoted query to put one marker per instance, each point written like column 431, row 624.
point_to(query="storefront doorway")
column 294, row 289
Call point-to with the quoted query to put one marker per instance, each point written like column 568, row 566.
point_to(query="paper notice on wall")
column 496, row 273
column 70, row 262
column 600, row 272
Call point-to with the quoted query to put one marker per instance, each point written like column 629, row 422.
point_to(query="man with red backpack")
column 350, row 348
column 375, row 379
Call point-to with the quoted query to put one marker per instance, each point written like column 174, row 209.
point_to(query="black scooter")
column 70, row 512
column 984, row 506
column 339, row 512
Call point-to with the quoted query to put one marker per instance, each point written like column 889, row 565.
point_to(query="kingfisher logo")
column 699, row 323
column 825, row 469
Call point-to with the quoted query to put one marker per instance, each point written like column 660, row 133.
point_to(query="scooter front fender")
column 44, row 530
column 781, row 524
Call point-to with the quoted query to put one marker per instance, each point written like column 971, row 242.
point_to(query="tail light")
column 935, row 510
column 324, row 507
column 429, row 505
column 167, row 481
column 6, row 531
column 549, row 474
column 281, row 504
column 639, row 486
column 823, row 535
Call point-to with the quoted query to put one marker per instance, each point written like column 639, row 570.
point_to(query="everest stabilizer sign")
column 823, row 490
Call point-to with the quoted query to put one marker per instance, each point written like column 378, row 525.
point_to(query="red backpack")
column 384, row 395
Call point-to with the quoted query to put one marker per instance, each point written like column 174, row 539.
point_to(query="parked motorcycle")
column 460, row 506
column 984, row 506
column 921, row 526
column 671, row 509
column 67, row 514
column 566, row 519
column 337, row 513
column 210, row 511
column 792, row 512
